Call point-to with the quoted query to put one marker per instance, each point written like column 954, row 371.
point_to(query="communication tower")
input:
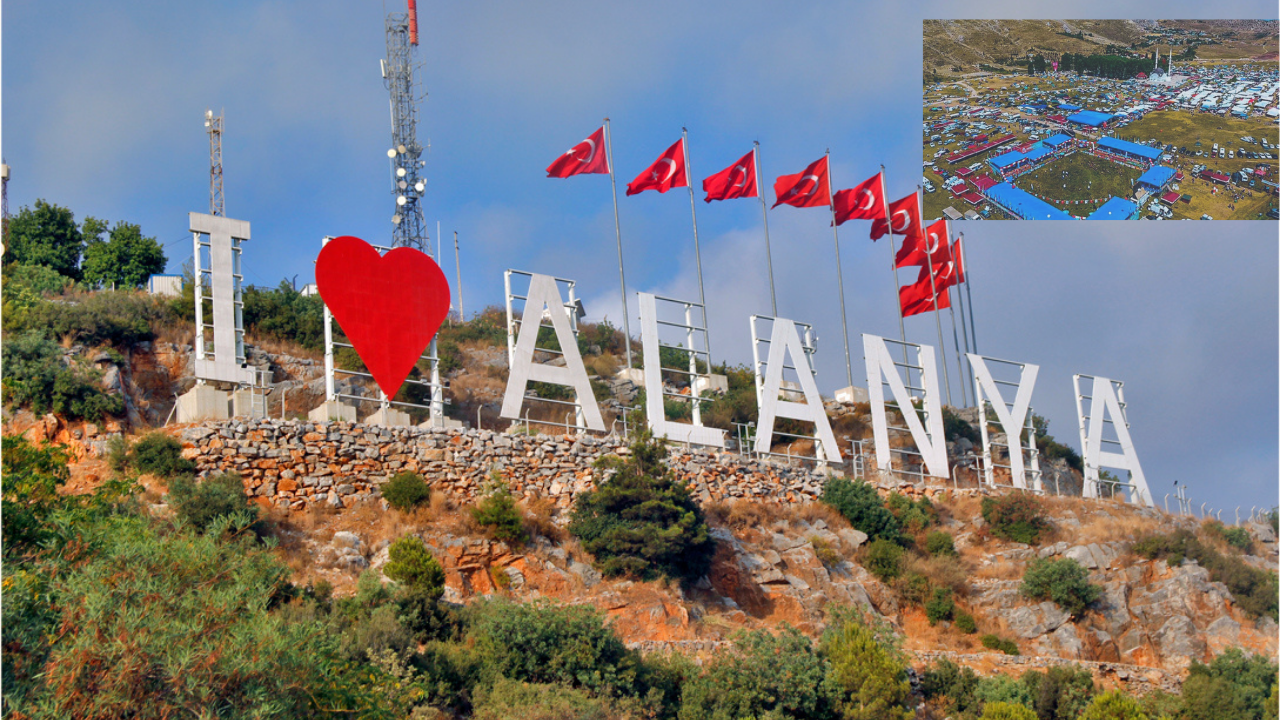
column 408, row 182
column 213, row 125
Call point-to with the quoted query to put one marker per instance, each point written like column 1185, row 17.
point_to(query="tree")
column 858, row 502
column 1231, row 686
column 766, row 676
column 1113, row 705
column 35, row 376
column 1061, row 693
column 1062, row 580
column 125, row 260
column 1006, row 711
column 46, row 236
column 642, row 521
column 867, row 676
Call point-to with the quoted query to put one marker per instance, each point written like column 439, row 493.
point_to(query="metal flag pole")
column 893, row 257
column 764, row 210
column 697, row 252
column 933, row 287
column 457, row 260
column 844, row 321
column 617, row 226
column 973, row 331
column 955, row 337
column 964, row 335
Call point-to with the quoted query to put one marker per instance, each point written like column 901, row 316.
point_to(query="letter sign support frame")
column 784, row 340
column 928, row 436
column 1106, row 407
column 697, row 349
column 1024, row 463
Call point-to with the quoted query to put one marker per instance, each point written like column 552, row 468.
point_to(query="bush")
column 405, row 491
column 915, row 588
column 868, row 675
column 950, row 685
column 507, row 699
column 1113, row 705
column 915, row 515
column 858, row 502
column 1061, row 693
column 1002, row 688
column 542, row 643
column 965, row 623
column 1237, row 537
column 1062, row 580
column 884, row 559
column 955, row 427
column 498, row 512
column 641, row 521
column 1233, row 686
column 35, row 376
column 1016, row 516
column 940, row 544
column 125, row 260
column 160, row 455
column 826, row 554
column 119, row 318
column 1255, row 590
column 410, row 563
column 995, row 642
column 940, row 606
column 200, row 503
column 1006, row 711
column 775, row 676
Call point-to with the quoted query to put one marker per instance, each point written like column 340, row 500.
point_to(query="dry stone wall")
column 295, row 464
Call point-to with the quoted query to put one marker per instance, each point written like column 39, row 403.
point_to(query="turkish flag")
column 666, row 172
column 809, row 188
column 930, row 248
column 919, row 298
column 584, row 158
column 957, row 254
column 736, row 181
column 864, row 202
column 906, row 218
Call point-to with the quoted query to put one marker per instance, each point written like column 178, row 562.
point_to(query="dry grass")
column 276, row 346
column 942, row 571
column 743, row 514
column 538, row 514
column 998, row 570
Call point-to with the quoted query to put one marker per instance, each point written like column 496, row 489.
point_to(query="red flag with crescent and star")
column 810, row 187
column 862, row 202
column 933, row 247
column 587, row 157
column 957, row 254
column 666, row 172
column 906, row 218
column 736, row 181
column 919, row 298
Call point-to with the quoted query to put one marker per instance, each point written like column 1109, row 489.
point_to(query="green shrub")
column 940, row 543
column 1002, row 688
column 200, row 503
column 1062, row 580
column 641, row 521
column 410, row 563
column 858, row 502
column 1232, row 686
column 542, row 643
column 507, row 699
column 34, row 376
column 915, row 515
column 995, row 642
column 775, row 676
column 940, row 607
column 498, row 512
column 1237, row 537
column 1255, row 590
column 884, row 559
column 283, row 313
column 965, row 623
column 40, row 279
column 955, row 427
column 160, row 455
column 1017, row 516
column 1060, row 693
column 1113, row 705
column 119, row 318
column 124, row 260
column 915, row 588
column 826, row 554
column 1006, row 711
column 950, row 685
column 405, row 491
column 868, row 674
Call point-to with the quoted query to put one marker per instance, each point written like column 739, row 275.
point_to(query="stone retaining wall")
column 294, row 464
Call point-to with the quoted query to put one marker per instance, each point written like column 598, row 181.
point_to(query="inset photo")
column 1101, row 119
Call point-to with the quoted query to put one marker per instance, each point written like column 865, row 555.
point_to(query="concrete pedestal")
column 243, row 404
column 714, row 383
column 203, row 402
column 446, row 423
column 388, row 417
column 332, row 410
column 852, row 394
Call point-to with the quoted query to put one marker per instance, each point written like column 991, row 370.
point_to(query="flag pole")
column 844, row 321
column 973, row 331
column 457, row 261
column 933, row 287
column 893, row 248
column 617, row 226
column 964, row 335
column 697, row 252
column 764, row 211
column 955, row 337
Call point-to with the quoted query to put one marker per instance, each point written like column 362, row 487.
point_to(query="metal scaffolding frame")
column 573, row 309
column 761, row 341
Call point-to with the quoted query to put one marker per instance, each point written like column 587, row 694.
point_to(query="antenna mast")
column 213, row 126
column 4, row 200
column 405, row 153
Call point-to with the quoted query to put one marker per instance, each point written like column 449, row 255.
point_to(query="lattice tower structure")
column 217, row 201
column 407, row 177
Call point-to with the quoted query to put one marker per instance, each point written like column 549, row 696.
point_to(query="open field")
column 1252, row 204
column 1086, row 178
column 1185, row 129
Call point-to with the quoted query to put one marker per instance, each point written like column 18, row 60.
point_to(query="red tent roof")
column 964, row 172
column 983, row 183
column 1170, row 197
column 972, row 198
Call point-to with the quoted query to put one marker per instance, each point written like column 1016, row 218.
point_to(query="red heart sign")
column 389, row 306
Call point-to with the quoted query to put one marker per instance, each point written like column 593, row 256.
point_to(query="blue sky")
column 103, row 106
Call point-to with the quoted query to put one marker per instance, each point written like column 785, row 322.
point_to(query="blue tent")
column 1128, row 148
column 1001, row 162
column 1024, row 204
column 1056, row 140
column 1156, row 177
column 1090, row 118
column 1068, row 107
column 1115, row 209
